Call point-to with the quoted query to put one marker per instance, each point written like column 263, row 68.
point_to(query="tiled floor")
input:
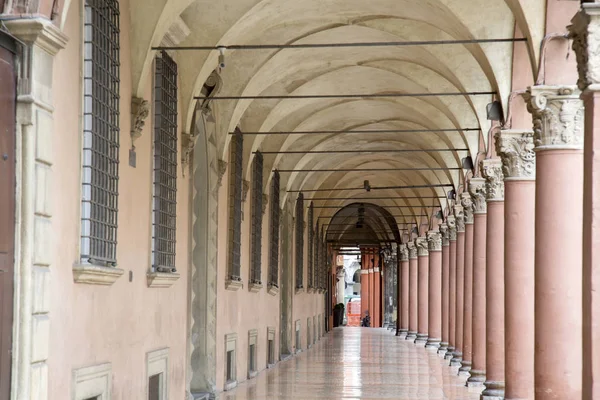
column 358, row 363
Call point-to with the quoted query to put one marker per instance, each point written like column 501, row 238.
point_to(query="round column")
column 467, row 352
column 558, row 135
column 451, row 222
column 423, row 317
column 515, row 147
column 494, row 384
column 460, row 285
column 404, row 290
column 445, row 288
column 413, row 300
column 478, row 195
column 376, row 317
column 434, row 339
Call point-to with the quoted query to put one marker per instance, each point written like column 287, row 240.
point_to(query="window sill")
column 162, row 279
column 252, row 374
column 230, row 385
column 95, row 274
column 233, row 285
column 255, row 287
column 299, row 290
column 273, row 290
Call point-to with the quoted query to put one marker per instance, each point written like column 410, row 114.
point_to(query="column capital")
column 467, row 203
column 434, row 239
column 585, row 33
column 445, row 234
column 451, row 222
column 478, row 191
column 422, row 246
column 40, row 32
column 491, row 170
column 459, row 214
column 516, row 150
column 557, row 113
column 412, row 249
column 403, row 249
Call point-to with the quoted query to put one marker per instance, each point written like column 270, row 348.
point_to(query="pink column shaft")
column 413, row 321
column 423, row 324
column 405, row 297
column 452, row 301
column 479, row 300
column 398, row 293
column 468, row 302
column 495, row 301
column 435, row 299
column 558, row 275
column 377, row 298
column 445, row 297
column 460, row 285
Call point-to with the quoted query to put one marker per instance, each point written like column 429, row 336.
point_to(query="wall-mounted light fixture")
column 494, row 111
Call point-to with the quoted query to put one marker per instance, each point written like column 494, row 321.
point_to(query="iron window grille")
column 311, row 244
column 317, row 263
column 235, row 206
column 257, row 202
column 100, row 158
column 164, row 218
column 274, row 245
column 299, row 241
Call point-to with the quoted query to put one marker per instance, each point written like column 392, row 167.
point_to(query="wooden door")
column 7, row 213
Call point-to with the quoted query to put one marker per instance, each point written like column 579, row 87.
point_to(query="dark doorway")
column 7, row 207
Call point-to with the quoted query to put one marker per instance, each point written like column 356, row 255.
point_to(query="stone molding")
column 451, row 223
column 516, row 150
column 478, row 191
column 221, row 169
column 445, row 234
column 161, row 279
column 412, row 250
column 96, row 274
column 39, row 31
column 140, row 110
column 491, row 169
column 434, row 240
column 403, row 249
column 467, row 203
column 459, row 214
column 558, row 117
column 422, row 246
column 585, row 33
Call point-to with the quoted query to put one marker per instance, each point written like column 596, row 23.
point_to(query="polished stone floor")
column 357, row 363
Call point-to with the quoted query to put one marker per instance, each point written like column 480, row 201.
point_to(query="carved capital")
column 477, row 189
column 140, row 110
column 187, row 146
column 467, row 203
column 558, row 116
column 434, row 240
column 459, row 214
column 445, row 234
column 412, row 250
column 221, row 169
column 491, row 170
column 585, row 33
column 403, row 252
column 451, row 222
column 422, row 246
column 516, row 150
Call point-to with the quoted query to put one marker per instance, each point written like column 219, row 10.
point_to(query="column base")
column 477, row 379
column 411, row 335
column 443, row 349
column 433, row 344
column 465, row 368
column 421, row 340
column 456, row 359
column 493, row 391
column 401, row 333
column 449, row 353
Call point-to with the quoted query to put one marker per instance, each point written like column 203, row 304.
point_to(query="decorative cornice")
column 585, row 33
column 412, row 250
column 467, row 203
column 491, row 169
column 558, row 117
column 445, row 234
column 459, row 214
column 516, row 150
column 38, row 31
column 422, row 246
column 403, row 249
column 478, row 191
column 434, row 240
column 140, row 110
column 451, row 222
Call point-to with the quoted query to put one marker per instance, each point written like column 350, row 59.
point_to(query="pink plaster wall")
column 560, row 69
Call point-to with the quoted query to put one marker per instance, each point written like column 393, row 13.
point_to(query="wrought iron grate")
column 235, row 206
column 275, row 223
column 99, row 203
column 257, row 203
column 164, row 221
column 311, row 244
column 317, row 258
column 300, row 241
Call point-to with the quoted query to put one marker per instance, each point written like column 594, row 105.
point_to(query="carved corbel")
column 265, row 202
column 140, row 110
column 478, row 191
column 467, row 203
column 245, row 189
column 221, row 169
column 422, row 246
column 434, row 240
column 491, row 169
column 187, row 146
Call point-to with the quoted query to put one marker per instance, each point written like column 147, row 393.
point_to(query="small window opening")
column 271, row 351
column 252, row 358
column 298, row 345
column 154, row 386
column 230, row 366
